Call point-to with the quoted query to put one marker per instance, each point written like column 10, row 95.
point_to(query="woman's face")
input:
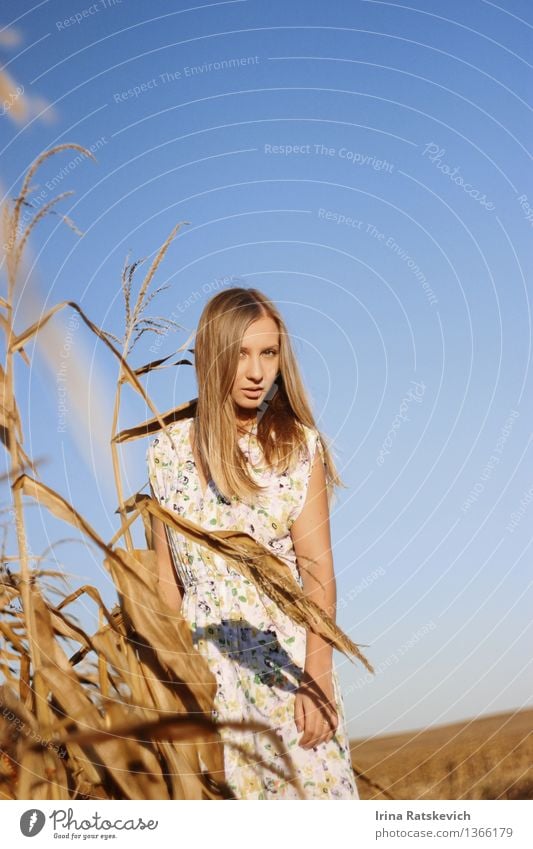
column 258, row 366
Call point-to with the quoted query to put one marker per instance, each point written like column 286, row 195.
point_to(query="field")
column 486, row 758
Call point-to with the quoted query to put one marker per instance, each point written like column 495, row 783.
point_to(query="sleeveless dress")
column 255, row 651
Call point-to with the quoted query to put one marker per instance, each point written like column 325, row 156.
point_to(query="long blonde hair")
column 223, row 322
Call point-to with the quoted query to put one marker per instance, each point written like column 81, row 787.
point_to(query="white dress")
column 255, row 651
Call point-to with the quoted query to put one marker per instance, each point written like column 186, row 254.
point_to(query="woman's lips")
column 253, row 392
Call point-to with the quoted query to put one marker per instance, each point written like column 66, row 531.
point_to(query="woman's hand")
column 315, row 712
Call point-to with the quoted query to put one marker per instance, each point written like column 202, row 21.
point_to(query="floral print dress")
column 255, row 651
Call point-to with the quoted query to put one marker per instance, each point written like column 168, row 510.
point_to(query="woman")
column 252, row 460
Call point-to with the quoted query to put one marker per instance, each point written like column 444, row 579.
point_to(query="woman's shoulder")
column 309, row 430
column 313, row 441
column 311, row 434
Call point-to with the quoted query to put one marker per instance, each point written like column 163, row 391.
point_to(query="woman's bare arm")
column 170, row 587
column 315, row 711
column 311, row 537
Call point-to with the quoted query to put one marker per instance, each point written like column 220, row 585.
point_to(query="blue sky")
column 366, row 165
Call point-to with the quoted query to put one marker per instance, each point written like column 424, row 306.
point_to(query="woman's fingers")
column 315, row 715
column 327, row 731
column 318, row 723
column 310, row 725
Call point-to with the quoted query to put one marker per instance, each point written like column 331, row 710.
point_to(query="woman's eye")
column 271, row 352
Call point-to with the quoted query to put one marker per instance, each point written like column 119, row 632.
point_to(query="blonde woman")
column 252, row 460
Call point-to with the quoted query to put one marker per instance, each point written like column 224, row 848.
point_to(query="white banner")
column 359, row 824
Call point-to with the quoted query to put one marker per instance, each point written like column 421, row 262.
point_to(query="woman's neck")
column 246, row 425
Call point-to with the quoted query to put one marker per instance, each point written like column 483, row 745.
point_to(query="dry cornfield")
column 125, row 712
column 486, row 758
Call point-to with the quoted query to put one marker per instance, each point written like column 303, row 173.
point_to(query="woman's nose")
column 254, row 368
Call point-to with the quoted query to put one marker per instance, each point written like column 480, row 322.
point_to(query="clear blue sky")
column 366, row 165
